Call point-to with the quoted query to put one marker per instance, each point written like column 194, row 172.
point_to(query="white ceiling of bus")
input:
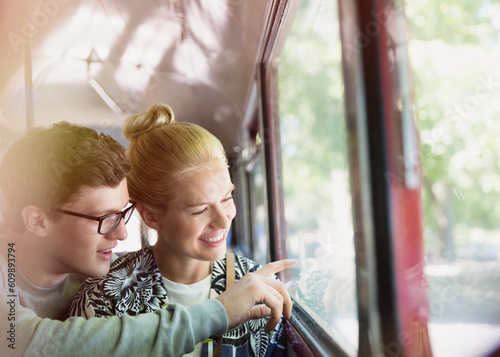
column 96, row 61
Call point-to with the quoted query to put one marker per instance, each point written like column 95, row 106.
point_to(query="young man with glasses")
column 67, row 203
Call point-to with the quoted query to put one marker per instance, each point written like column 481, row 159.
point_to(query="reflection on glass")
column 260, row 237
column 315, row 172
column 455, row 55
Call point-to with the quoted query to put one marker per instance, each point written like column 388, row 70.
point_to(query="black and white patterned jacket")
column 134, row 285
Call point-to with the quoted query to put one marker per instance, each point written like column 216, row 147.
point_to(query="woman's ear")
column 35, row 220
column 148, row 216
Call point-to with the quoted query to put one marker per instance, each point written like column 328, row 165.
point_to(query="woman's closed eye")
column 205, row 209
column 197, row 213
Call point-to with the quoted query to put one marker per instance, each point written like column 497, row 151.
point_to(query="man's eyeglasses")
column 108, row 222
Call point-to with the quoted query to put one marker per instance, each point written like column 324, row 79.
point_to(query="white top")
column 189, row 295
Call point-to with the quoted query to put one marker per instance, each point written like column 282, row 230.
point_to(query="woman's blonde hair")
column 162, row 152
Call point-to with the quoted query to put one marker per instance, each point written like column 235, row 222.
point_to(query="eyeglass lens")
column 110, row 223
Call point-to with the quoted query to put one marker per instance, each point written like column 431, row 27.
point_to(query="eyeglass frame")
column 101, row 218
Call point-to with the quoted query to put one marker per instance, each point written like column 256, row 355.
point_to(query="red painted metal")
column 405, row 202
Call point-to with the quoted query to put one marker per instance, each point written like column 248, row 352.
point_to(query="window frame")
column 373, row 88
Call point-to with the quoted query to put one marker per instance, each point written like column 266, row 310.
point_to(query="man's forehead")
column 101, row 198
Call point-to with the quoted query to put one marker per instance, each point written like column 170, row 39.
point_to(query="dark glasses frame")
column 101, row 219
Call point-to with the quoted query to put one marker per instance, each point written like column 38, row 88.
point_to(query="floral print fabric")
column 134, row 285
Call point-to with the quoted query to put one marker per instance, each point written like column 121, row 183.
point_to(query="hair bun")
column 156, row 116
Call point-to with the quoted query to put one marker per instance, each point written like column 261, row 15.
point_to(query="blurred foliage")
column 311, row 115
column 455, row 53
column 457, row 22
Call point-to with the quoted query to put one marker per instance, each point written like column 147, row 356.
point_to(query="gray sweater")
column 30, row 323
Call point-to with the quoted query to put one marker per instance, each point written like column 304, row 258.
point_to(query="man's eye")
column 227, row 199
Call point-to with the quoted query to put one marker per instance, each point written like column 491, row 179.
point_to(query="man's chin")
column 96, row 272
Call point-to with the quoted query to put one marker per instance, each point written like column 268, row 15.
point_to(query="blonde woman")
column 180, row 181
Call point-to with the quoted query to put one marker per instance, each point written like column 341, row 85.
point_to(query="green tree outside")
column 455, row 56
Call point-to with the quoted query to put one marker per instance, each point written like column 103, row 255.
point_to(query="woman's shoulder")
column 246, row 264
column 242, row 264
column 119, row 291
column 135, row 263
column 144, row 254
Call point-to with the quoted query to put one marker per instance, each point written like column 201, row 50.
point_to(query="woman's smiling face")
column 197, row 220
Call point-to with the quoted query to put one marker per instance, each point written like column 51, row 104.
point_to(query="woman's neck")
column 182, row 270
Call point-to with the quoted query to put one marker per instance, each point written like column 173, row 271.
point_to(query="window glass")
column 258, row 211
column 315, row 172
column 454, row 50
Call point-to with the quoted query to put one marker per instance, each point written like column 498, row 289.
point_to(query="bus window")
column 454, row 54
column 316, row 190
column 258, row 210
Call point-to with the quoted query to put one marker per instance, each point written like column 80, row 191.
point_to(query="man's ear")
column 35, row 220
column 148, row 216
